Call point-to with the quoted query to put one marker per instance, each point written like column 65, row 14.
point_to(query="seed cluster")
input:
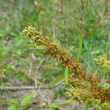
column 104, row 62
column 91, row 89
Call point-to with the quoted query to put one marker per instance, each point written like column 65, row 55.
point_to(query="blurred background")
column 17, row 59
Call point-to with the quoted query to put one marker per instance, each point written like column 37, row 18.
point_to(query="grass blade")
column 80, row 44
column 66, row 74
column 55, row 39
column 59, row 78
column 89, row 104
column 40, row 47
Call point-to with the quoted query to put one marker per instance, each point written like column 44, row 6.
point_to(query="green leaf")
column 18, row 52
column 1, row 57
column 106, row 86
column 80, row 44
column 67, row 101
column 13, row 101
column 59, row 78
column 88, row 105
column 37, row 28
column 43, row 32
column 3, row 76
column 40, row 47
column 38, row 53
column 54, row 104
column 7, row 29
column 75, row 85
column 80, row 106
column 13, row 107
column 66, row 74
column 26, row 99
column 17, row 77
column 90, row 100
column 30, row 45
column 102, row 70
column 84, row 95
column 2, row 35
column 97, row 52
column 14, row 34
column 48, row 64
column 56, row 42
column 21, row 77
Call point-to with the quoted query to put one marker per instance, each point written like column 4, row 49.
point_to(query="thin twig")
column 22, row 87
column 106, row 8
column 18, row 99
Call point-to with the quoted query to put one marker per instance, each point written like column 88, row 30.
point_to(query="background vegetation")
column 19, row 62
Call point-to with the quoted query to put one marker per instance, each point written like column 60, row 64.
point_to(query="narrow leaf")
column 102, row 70
column 55, row 39
column 80, row 45
column 59, row 78
column 43, row 32
column 54, row 104
column 1, row 57
column 75, row 85
column 88, row 105
column 67, row 101
column 13, row 107
column 38, row 53
column 90, row 100
column 66, row 74
column 80, row 106
column 40, row 47
column 25, row 100
column 13, row 101
column 106, row 86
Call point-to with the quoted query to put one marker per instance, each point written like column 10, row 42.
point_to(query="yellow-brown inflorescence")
column 101, row 60
column 106, row 64
column 92, row 89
